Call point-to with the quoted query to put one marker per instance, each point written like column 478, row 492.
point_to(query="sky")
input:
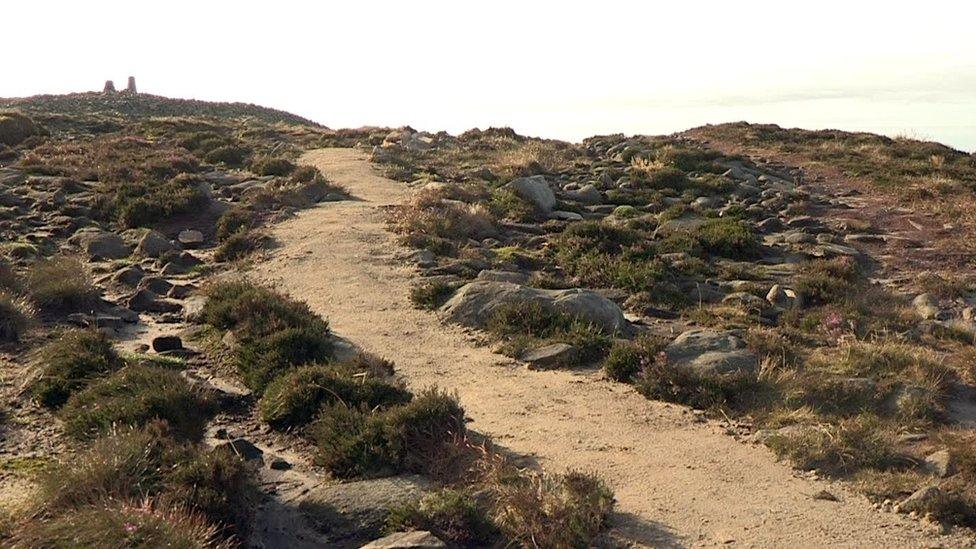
column 553, row 69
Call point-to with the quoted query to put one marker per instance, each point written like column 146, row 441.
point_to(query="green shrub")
column 294, row 398
column 136, row 524
column 230, row 155
column 233, row 221
column 60, row 284
column 240, row 245
column 72, row 361
column 450, row 515
column 351, row 442
column 273, row 166
column 133, row 397
column 16, row 316
column 553, row 510
column 418, row 432
column 143, row 205
column 430, row 295
column 526, row 323
column 306, row 174
column 727, row 237
column 660, row 380
column 136, row 464
column 262, row 359
column 255, row 311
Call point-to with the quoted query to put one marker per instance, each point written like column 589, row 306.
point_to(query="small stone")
column 167, row 343
column 940, row 464
column 824, row 496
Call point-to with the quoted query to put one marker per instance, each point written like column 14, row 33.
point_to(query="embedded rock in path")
column 417, row 539
column 711, row 352
column 536, row 190
column 359, row 509
column 162, row 344
column 922, row 501
column 190, row 238
column 550, row 356
column 154, row 244
column 474, row 304
column 98, row 243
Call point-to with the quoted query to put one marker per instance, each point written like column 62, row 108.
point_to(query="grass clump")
column 230, row 155
column 525, row 324
column 142, row 205
column 131, row 524
column 452, row 515
column 240, row 245
column 135, row 396
column 410, row 438
column 70, row 363
column 628, row 358
column 147, row 463
column 60, row 284
column 264, row 358
column 430, row 295
column 553, row 510
column 660, row 380
column 860, row 442
column 431, row 216
column 827, row 281
column 295, row 398
column 16, row 316
column 233, row 221
column 727, row 237
column 273, row 166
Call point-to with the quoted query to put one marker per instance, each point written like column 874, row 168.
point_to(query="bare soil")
column 679, row 480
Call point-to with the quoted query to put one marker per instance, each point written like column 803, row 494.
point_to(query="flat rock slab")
column 550, row 356
column 418, row 539
column 359, row 509
column 711, row 352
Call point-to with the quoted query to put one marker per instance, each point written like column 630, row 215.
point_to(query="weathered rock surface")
column 98, row 243
column 711, row 352
column 418, row 539
column 475, row 303
column 550, row 356
column 535, row 190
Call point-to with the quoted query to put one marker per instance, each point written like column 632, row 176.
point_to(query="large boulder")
column 98, row 243
column 711, row 352
column 474, row 304
column 535, row 190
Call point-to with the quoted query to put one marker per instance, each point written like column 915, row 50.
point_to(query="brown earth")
column 679, row 480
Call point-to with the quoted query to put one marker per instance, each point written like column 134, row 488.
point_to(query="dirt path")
column 679, row 481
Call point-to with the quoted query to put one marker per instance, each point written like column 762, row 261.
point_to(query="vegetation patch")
column 525, row 324
column 70, row 363
column 60, row 284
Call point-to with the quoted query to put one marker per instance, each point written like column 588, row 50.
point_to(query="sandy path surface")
column 678, row 481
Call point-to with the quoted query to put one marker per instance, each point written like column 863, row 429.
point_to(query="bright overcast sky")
column 555, row 69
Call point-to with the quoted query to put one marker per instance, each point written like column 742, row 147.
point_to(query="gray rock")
column 129, row 276
column 711, row 352
column 156, row 285
column 190, row 238
column 503, row 276
column 784, row 298
column 535, row 190
column 550, row 356
column 940, row 464
column 475, row 303
column 924, row 499
column 154, row 244
column 745, row 300
column 245, row 449
column 100, row 244
column 417, row 539
column 588, row 194
column 833, row 250
column 360, row 508
column 565, row 216
column 146, row 301
column 685, row 223
column 799, row 237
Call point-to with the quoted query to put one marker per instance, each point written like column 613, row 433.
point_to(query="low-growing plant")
column 451, row 515
column 262, row 359
column 71, row 362
column 272, row 166
column 852, row 444
column 240, row 245
column 16, row 316
column 233, row 221
column 295, row 398
column 136, row 396
column 827, row 281
column 230, row 155
column 60, row 284
column 628, row 358
column 135, row 464
column 661, row 380
column 254, row 311
column 524, row 324
column 727, row 237
column 143, row 205
column 350, row 442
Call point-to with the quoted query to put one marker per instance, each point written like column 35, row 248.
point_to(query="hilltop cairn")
column 131, row 86
column 109, row 87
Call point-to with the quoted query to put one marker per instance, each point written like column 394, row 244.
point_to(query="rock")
column 360, row 508
column 711, row 352
column 798, row 237
column 417, row 539
column 588, row 194
column 769, row 225
column 179, row 291
column 98, row 243
column 685, row 223
column 475, row 303
column 243, row 448
column 565, row 216
column 940, row 464
column 156, row 285
column 781, row 297
column 503, row 276
column 146, row 301
column 833, row 250
column 535, row 190
column 924, row 499
column 190, row 238
column 129, row 276
column 824, row 495
column 550, row 356
column 279, row 464
column 154, row 244
column 745, row 300
column 162, row 344
column 926, row 306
